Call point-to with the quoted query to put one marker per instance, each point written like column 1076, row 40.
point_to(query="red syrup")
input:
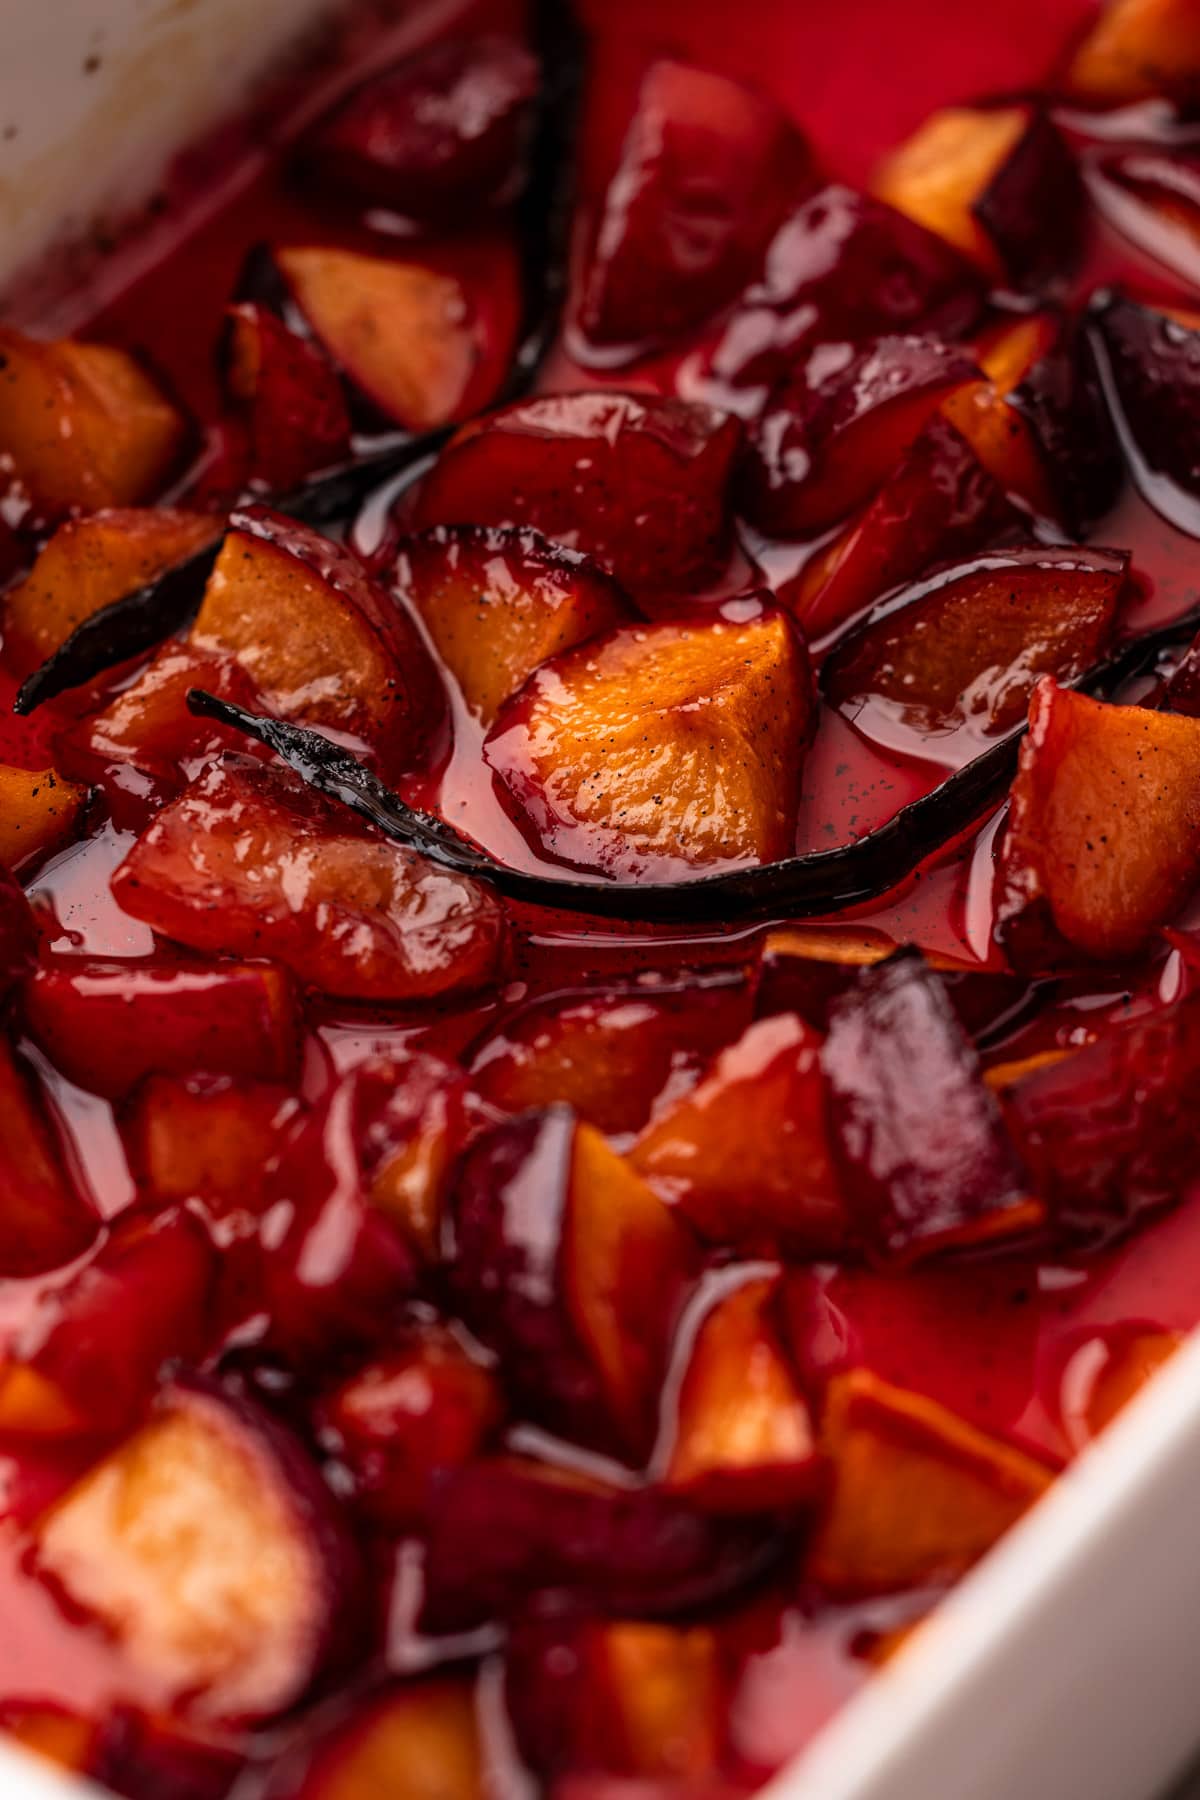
column 989, row 1337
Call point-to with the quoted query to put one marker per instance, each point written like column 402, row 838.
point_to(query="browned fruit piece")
column 207, row 1137
column 967, row 645
column 661, row 747
column 997, row 182
column 404, row 334
column 39, row 813
column 319, row 640
column 497, row 603
column 746, row 1155
column 1103, row 840
column 917, row 1495
column 1137, row 50
column 422, row 1741
column 81, row 427
column 88, row 564
column 43, row 1220
column 150, row 725
column 999, row 434
column 743, row 1438
column 207, row 1546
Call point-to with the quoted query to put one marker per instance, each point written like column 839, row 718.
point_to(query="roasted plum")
column 497, row 603
column 149, row 724
column 746, row 1155
column 39, row 813
column 425, row 1406
column 86, row 565
column 843, row 268
column 917, row 1495
column 82, row 426
column 997, row 182
column 410, row 338
column 1105, row 1131
column 916, row 1136
column 834, row 430
column 638, row 483
column 319, row 640
column 708, row 170
column 208, row 1547
column 938, row 504
column 661, row 747
column 507, row 1529
column 44, row 1219
column 105, row 1025
column 248, row 859
column 566, row 1264
column 436, row 138
column 411, row 1115
column 1150, row 367
column 1138, row 50
column 611, row 1054
column 289, row 396
column 208, row 1137
column 742, row 1438
column 423, row 1740
column 1153, row 199
column 87, row 1362
column 967, row 646
column 1103, row 838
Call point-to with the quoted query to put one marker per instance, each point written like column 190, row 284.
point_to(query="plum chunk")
column 88, row 564
column 743, row 1439
column 626, row 1696
column 406, row 336
column 289, row 396
column 208, row 1547
column 426, row 1405
column 39, row 813
column 67, row 1739
column 436, row 138
column 997, row 182
column 81, row 427
column 87, row 1361
column 497, row 602
column 916, row 1135
column 843, row 268
column 1104, row 1374
column 149, row 724
column 610, row 1054
column 746, row 1155
column 834, row 430
column 411, row 1116
column 248, row 859
column 1109, row 1131
column 422, row 1741
column 567, row 1265
column 967, row 646
column 1103, row 839
column 1150, row 365
column 938, row 504
column 917, row 1495
column 708, row 170
column 207, row 1137
column 43, row 1220
column 508, row 1529
column 661, row 747
column 320, row 641
column 637, row 482
column 1138, row 50
column 105, row 1025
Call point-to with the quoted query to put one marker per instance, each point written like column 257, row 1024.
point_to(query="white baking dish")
column 1063, row 1668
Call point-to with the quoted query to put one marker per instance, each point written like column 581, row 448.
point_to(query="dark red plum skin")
column 504, row 1252
column 918, row 1138
column 437, row 137
column 1149, row 367
column 637, row 482
column 502, row 1533
column 18, row 933
column 818, row 408
column 1033, row 208
column 844, row 268
column 295, row 415
column 1113, row 1131
column 708, row 169
column 1061, row 401
column 983, row 1000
